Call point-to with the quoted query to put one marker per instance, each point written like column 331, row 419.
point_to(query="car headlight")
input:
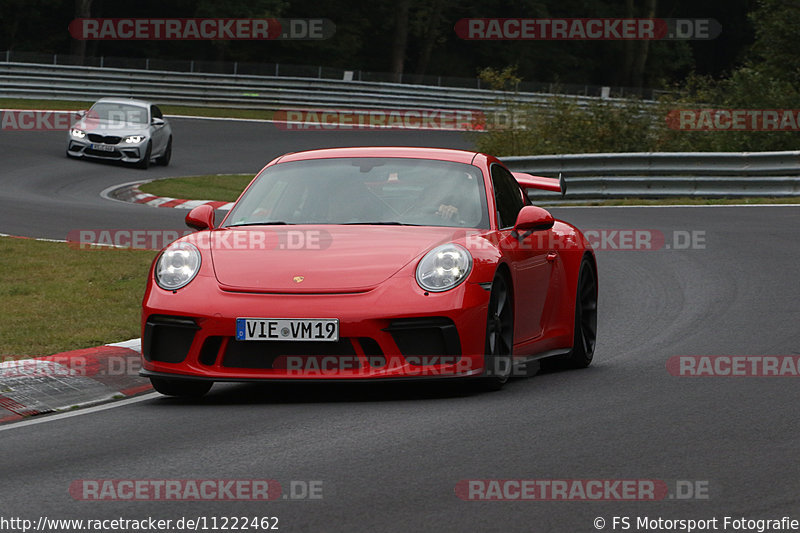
column 133, row 139
column 444, row 267
column 78, row 134
column 177, row 266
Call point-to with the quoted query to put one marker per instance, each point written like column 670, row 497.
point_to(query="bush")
column 562, row 125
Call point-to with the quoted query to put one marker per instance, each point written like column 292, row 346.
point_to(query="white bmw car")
column 122, row 129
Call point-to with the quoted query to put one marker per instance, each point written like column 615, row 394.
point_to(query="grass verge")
column 25, row 103
column 54, row 298
column 219, row 187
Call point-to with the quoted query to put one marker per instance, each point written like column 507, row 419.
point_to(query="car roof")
column 130, row 101
column 442, row 154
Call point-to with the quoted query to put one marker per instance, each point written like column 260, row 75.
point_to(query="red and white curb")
column 71, row 379
column 130, row 193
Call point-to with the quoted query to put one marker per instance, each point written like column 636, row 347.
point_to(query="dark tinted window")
column 507, row 196
column 155, row 112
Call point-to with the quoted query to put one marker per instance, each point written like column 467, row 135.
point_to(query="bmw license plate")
column 287, row 329
column 103, row 147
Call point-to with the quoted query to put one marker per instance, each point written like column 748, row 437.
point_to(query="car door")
column 530, row 265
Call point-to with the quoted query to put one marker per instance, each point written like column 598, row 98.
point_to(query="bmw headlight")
column 177, row 266
column 444, row 267
column 78, row 134
column 134, row 139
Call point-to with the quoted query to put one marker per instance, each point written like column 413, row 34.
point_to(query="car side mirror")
column 157, row 121
column 532, row 218
column 81, row 113
column 201, row 217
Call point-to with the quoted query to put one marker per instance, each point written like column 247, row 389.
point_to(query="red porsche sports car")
column 371, row 264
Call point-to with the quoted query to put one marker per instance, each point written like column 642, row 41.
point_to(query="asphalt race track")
column 42, row 192
column 389, row 456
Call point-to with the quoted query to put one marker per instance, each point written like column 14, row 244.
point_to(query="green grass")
column 220, row 187
column 54, row 298
column 685, row 200
column 24, row 103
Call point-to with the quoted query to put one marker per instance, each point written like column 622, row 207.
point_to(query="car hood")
column 317, row 259
column 112, row 127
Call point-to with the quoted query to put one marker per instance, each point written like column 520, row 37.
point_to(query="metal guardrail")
column 588, row 175
column 706, row 174
column 314, row 71
column 59, row 82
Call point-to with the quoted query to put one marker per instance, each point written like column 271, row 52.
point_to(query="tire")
column 144, row 164
column 585, row 329
column 498, row 360
column 164, row 159
column 182, row 388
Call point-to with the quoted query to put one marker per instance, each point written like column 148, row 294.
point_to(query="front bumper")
column 387, row 332
column 126, row 153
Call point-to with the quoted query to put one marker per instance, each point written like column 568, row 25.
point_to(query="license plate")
column 103, row 147
column 287, row 329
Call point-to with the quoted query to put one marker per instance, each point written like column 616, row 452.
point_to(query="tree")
column 400, row 40
column 83, row 9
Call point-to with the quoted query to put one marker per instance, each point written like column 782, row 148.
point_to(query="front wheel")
column 144, row 164
column 585, row 332
column 499, row 335
column 182, row 388
column 164, row 159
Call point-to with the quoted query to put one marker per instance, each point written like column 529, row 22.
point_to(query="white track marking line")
column 131, row 344
column 80, row 412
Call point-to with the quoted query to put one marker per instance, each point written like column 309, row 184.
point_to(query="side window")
column 507, row 196
column 155, row 112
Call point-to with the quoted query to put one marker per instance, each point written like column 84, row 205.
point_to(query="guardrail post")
column 101, row 61
column 319, row 72
column 8, row 56
column 147, row 64
column 276, row 70
column 55, row 59
column 235, row 67
column 191, row 65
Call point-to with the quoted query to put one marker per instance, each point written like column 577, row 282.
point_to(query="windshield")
column 365, row 191
column 120, row 113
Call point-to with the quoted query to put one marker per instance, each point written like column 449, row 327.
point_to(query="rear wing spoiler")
column 529, row 181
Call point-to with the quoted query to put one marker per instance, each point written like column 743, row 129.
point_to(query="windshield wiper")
column 270, row 223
